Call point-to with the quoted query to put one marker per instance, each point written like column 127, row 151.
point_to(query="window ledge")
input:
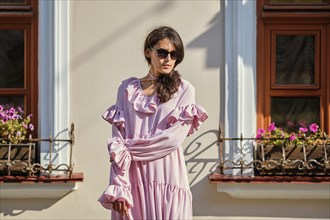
column 267, row 187
column 20, row 187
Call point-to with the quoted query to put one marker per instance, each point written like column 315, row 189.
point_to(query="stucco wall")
column 106, row 40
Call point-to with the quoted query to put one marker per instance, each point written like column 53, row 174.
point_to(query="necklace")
column 152, row 76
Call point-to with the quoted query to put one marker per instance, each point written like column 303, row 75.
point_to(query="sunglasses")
column 162, row 54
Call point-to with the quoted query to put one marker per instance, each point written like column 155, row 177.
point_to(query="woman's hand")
column 121, row 207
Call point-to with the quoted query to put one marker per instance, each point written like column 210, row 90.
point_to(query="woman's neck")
column 152, row 76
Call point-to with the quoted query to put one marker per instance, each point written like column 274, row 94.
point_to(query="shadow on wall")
column 124, row 29
column 202, row 153
column 202, row 156
column 211, row 40
column 16, row 207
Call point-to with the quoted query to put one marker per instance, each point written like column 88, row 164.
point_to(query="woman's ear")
column 147, row 53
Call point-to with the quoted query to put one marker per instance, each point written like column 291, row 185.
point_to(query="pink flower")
column 272, row 127
column 31, row 127
column 314, row 127
column 292, row 137
column 260, row 133
column 303, row 129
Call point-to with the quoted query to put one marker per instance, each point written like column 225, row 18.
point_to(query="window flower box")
column 292, row 159
column 17, row 159
column 281, row 153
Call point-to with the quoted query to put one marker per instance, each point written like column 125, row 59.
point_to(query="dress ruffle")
column 141, row 102
column 113, row 193
column 194, row 113
column 115, row 115
column 156, row 207
column 119, row 154
column 120, row 187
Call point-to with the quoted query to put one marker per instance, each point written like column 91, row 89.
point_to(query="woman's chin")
column 166, row 72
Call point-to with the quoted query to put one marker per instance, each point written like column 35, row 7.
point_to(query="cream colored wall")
column 106, row 39
column 107, row 48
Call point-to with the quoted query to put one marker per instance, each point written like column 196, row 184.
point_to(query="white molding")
column 61, row 75
column 240, row 74
column 276, row 190
column 46, row 72
column 35, row 190
column 53, row 77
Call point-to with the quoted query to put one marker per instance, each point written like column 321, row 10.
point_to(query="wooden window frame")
column 313, row 19
column 12, row 17
column 307, row 6
column 26, row 6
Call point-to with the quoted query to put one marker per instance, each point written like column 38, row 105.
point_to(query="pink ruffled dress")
column 148, row 166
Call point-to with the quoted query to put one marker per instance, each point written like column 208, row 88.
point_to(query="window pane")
column 12, row 101
column 11, row 58
column 12, row 1
column 292, row 112
column 295, row 58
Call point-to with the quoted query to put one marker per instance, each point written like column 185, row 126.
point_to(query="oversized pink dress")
column 148, row 166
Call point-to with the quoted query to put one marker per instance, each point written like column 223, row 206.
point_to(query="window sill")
column 20, row 187
column 271, row 187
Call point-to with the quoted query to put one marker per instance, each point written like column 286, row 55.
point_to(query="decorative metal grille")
column 284, row 159
column 23, row 162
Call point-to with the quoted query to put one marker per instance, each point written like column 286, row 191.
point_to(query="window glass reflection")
column 292, row 112
column 295, row 59
column 12, row 58
column 12, row 1
column 12, row 101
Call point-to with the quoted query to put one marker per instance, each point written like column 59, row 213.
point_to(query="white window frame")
column 53, row 77
column 239, row 104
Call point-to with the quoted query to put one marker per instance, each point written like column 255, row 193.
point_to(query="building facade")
column 84, row 49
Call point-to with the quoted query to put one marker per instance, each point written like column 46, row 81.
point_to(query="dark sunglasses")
column 162, row 54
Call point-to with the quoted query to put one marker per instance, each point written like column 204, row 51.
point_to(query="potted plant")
column 282, row 152
column 16, row 152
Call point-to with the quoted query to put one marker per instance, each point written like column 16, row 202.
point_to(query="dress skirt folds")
column 148, row 168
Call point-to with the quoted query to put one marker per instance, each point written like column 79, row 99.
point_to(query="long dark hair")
column 167, row 84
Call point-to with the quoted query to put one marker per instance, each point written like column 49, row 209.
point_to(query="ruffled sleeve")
column 119, row 188
column 193, row 113
column 112, row 193
column 115, row 116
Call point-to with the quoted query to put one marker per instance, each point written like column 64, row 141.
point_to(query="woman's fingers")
column 121, row 207
column 115, row 205
column 125, row 210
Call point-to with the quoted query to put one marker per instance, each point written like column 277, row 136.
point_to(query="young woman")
column 150, row 120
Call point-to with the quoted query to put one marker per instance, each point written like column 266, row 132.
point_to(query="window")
column 19, row 55
column 293, row 56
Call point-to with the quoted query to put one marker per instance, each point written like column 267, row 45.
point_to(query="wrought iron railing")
column 26, row 163
column 283, row 159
